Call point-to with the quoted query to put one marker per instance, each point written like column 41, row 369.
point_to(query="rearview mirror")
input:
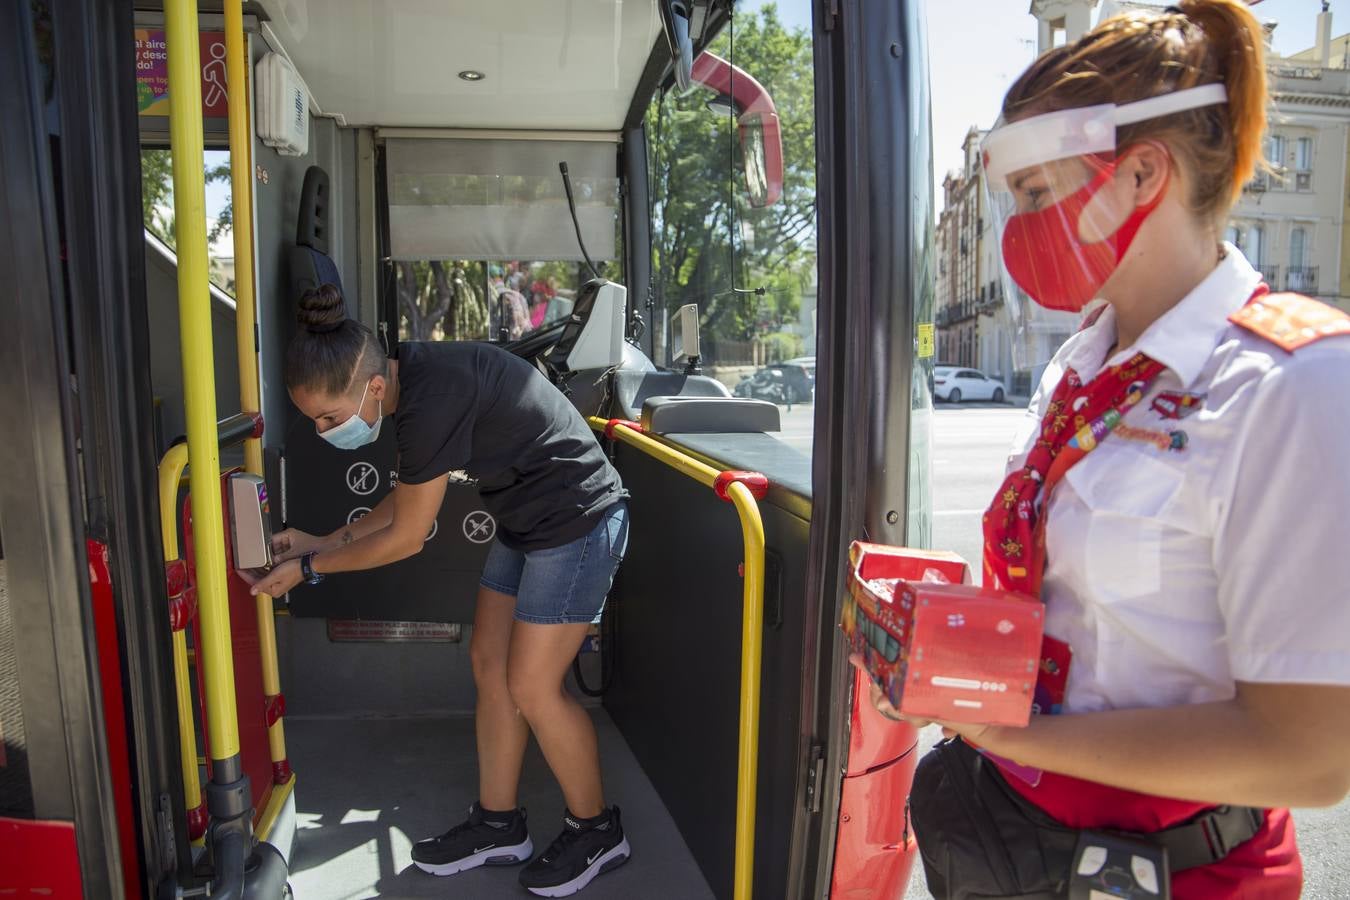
column 675, row 24
column 736, row 93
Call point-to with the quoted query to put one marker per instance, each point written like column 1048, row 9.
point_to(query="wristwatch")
column 307, row 569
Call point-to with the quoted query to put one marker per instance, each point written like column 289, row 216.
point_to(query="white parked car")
column 954, row 384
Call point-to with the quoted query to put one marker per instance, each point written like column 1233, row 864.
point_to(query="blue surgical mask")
column 354, row 433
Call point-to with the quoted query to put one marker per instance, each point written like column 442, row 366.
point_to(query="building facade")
column 1289, row 222
column 969, row 292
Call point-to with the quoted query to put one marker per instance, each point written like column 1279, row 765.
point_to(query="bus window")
column 478, row 300
column 157, row 208
column 751, row 268
column 483, row 243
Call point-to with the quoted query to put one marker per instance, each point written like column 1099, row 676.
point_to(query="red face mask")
column 1048, row 259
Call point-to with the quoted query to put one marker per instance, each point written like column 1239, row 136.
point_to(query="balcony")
column 991, row 298
column 1270, row 275
column 953, row 313
column 1302, row 279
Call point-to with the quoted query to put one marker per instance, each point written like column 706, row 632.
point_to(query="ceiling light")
column 472, row 75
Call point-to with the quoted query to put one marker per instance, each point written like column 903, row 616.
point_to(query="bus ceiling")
column 511, row 64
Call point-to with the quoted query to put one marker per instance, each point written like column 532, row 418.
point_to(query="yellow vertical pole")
column 246, row 318
column 199, row 381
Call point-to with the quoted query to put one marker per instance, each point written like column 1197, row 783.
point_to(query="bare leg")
column 539, row 660
column 501, row 730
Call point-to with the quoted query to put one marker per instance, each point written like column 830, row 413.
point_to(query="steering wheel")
column 534, row 344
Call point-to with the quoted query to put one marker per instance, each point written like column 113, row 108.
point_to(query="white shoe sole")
column 611, row 860
column 495, row 856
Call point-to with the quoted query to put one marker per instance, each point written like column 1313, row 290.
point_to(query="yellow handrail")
column 752, row 638
column 246, row 308
column 199, row 383
column 170, row 475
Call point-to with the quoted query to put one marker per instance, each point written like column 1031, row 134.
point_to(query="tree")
column 441, row 301
column 746, row 268
column 157, row 203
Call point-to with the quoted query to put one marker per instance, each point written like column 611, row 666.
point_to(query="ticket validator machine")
column 250, row 523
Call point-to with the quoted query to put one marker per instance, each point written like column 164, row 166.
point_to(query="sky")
column 974, row 59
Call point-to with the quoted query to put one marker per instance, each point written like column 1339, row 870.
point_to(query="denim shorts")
column 561, row 585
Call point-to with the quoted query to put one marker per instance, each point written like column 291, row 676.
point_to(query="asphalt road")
column 970, row 446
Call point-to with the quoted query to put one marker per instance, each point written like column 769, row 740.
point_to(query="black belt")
column 1209, row 837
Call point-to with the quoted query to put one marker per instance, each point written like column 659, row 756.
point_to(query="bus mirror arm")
column 675, row 15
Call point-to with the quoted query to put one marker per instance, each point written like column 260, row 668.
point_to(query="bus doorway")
column 713, row 152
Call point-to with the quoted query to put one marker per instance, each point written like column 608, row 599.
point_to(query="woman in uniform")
column 562, row 530
column 1173, row 499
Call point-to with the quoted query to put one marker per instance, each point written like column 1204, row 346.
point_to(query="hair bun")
column 322, row 309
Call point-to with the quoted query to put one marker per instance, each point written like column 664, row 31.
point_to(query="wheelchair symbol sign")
column 363, row 478
column 479, row 527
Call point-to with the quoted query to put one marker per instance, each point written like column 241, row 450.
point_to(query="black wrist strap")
column 307, row 569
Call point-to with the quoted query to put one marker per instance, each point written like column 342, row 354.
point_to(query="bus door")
column 91, row 798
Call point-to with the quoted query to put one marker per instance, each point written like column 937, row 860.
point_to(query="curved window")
column 725, row 236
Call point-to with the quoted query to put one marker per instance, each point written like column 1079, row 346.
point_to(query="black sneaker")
column 579, row 854
column 475, row 843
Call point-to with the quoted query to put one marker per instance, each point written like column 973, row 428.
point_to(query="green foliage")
column 782, row 345
column 157, row 205
column 442, row 301
column 746, row 268
column 157, row 193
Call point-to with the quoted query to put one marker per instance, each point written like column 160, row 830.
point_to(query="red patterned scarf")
column 1079, row 417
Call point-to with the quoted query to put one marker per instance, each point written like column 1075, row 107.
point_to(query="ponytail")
column 1237, row 45
column 330, row 353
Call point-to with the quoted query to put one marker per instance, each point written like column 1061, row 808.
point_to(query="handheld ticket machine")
column 250, row 523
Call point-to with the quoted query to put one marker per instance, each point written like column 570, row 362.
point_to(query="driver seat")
column 309, row 262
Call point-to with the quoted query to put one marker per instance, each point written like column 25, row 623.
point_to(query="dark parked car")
column 778, row 383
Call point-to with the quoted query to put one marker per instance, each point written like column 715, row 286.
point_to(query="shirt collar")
column 1185, row 336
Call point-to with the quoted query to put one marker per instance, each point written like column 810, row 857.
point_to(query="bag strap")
column 1209, row 837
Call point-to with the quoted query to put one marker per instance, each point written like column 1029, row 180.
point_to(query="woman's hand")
column 879, row 700
column 278, row 581
column 293, row 544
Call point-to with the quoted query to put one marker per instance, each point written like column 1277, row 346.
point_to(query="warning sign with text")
column 152, row 73
column 368, row 630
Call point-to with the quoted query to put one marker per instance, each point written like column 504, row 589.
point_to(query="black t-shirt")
column 471, row 406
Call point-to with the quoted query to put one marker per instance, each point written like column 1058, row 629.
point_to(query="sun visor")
column 494, row 199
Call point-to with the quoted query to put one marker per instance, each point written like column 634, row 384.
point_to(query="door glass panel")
column 731, row 166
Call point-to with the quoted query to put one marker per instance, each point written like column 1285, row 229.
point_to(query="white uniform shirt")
column 1173, row 573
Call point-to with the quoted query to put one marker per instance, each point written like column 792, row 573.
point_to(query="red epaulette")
column 1291, row 321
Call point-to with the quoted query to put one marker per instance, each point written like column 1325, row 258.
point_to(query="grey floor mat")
column 367, row 789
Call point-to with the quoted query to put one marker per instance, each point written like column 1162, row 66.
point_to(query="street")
column 970, row 447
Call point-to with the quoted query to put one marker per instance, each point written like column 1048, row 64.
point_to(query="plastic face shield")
column 1060, row 235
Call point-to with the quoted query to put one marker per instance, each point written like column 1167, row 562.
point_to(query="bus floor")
column 368, row 788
